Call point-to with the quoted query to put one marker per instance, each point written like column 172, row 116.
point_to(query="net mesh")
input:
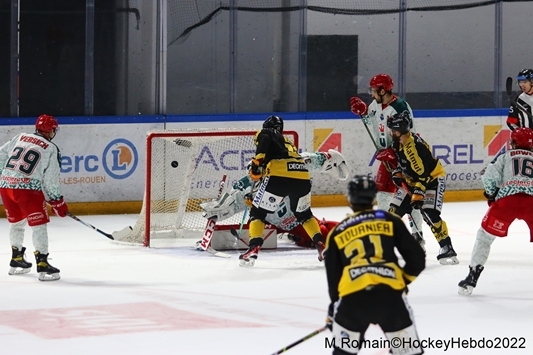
column 186, row 168
column 186, row 15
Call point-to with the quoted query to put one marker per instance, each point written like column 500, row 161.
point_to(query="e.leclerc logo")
column 120, row 159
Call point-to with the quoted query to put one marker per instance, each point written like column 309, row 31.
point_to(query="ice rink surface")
column 118, row 299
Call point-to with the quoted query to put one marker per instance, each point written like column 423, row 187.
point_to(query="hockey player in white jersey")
column 385, row 104
column 29, row 178
column 508, row 184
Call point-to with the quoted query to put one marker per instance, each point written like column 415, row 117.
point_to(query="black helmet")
column 275, row 122
column 525, row 74
column 400, row 122
column 362, row 190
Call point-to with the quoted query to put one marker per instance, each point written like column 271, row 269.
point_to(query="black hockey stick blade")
column 308, row 336
column 509, row 87
column 234, row 232
column 90, row 226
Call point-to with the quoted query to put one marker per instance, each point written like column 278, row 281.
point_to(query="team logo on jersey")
column 120, row 158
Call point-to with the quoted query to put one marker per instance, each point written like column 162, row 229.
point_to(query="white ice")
column 117, row 299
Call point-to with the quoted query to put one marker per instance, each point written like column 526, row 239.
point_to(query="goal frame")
column 185, row 134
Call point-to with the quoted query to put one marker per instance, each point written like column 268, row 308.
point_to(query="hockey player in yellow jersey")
column 365, row 280
column 420, row 178
column 283, row 173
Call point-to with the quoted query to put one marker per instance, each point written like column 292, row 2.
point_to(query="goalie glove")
column 59, row 207
column 358, row 107
column 256, row 170
column 335, row 165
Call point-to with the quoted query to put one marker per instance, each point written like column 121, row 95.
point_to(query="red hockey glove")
column 358, row 107
column 388, row 157
column 417, row 199
column 256, row 170
column 59, row 207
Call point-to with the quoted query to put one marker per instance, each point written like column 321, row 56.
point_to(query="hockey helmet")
column 275, row 122
column 382, row 81
column 522, row 138
column 362, row 190
column 400, row 122
column 525, row 74
column 46, row 124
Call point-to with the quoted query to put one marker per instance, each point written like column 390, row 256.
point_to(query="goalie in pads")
column 243, row 191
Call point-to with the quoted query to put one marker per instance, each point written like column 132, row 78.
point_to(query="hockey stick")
column 307, row 337
column 90, row 226
column 234, row 232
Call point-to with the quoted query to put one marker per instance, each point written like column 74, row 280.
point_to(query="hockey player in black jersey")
column 521, row 112
column 283, row 173
column 365, row 281
column 420, row 180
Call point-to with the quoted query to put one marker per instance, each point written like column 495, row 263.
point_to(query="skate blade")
column 19, row 271
column 466, row 291
column 43, row 276
column 247, row 263
column 449, row 261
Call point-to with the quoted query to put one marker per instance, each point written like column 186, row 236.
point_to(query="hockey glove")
column 490, row 198
column 256, row 171
column 417, row 199
column 397, row 178
column 388, row 157
column 248, row 200
column 59, row 207
column 358, row 107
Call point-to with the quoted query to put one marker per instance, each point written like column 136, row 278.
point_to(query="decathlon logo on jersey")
column 118, row 159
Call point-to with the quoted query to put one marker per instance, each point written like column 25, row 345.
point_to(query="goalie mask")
column 522, row 138
column 362, row 190
column 275, row 122
column 400, row 122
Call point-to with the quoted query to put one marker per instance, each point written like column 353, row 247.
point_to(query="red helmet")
column 46, row 124
column 382, row 81
column 522, row 137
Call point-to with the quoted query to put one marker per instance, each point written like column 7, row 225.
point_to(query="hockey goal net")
column 185, row 168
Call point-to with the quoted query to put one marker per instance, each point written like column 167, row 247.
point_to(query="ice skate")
column 420, row 239
column 447, row 256
column 46, row 271
column 320, row 246
column 19, row 265
column 467, row 285
column 249, row 257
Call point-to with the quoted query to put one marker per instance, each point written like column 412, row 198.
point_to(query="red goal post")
column 183, row 169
